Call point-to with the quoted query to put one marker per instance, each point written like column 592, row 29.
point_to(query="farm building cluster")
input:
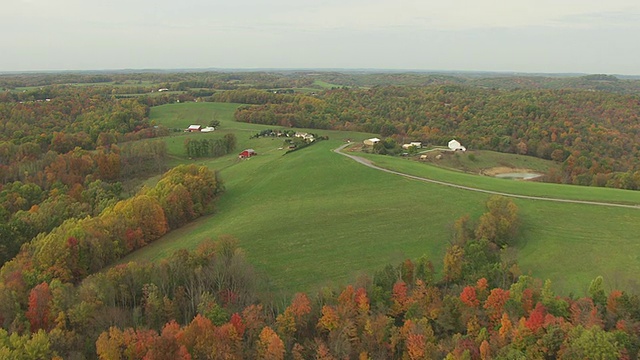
column 308, row 137
column 199, row 128
column 454, row 145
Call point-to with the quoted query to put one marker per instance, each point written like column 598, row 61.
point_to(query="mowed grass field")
column 314, row 218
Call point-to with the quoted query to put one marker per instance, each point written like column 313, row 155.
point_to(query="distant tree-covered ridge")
column 595, row 135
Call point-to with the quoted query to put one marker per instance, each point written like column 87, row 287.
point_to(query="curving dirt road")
column 368, row 163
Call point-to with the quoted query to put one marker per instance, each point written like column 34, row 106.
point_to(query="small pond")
column 518, row 176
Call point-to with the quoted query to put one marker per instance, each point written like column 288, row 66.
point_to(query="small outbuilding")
column 455, row 145
column 194, row 128
column 371, row 141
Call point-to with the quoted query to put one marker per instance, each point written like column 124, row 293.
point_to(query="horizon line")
column 306, row 69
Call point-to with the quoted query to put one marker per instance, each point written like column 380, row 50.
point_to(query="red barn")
column 247, row 154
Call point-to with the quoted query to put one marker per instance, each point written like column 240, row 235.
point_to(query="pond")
column 519, row 176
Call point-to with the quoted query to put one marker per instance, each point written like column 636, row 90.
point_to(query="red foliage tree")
column 536, row 318
column 399, row 298
column 39, row 312
column 237, row 323
column 495, row 303
column 469, row 298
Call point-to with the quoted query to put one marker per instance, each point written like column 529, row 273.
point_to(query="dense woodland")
column 63, row 154
column 70, row 142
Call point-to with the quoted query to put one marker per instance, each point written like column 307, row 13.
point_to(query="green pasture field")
column 119, row 84
column 180, row 116
column 570, row 192
column 155, row 93
column 26, row 88
column 324, row 84
column 314, row 217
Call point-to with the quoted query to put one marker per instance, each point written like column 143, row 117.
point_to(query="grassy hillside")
column 314, row 217
column 506, row 185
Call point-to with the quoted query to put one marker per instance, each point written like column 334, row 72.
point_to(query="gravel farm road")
column 368, row 163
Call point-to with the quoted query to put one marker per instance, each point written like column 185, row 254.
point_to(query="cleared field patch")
column 182, row 115
column 325, row 85
column 482, row 161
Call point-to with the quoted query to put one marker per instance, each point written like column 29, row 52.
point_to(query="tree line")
column 210, row 147
column 44, row 194
column 182, row 81
column 81, row 246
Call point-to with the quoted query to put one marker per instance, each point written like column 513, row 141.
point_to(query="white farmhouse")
column 454, row 145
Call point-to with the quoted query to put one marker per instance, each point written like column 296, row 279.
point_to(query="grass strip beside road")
column 506, row 186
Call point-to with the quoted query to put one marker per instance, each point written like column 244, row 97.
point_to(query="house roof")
column 195, row 127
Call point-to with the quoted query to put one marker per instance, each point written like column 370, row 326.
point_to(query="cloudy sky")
column 550, row 36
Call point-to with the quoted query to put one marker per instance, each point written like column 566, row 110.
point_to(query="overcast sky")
column 550, row 36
